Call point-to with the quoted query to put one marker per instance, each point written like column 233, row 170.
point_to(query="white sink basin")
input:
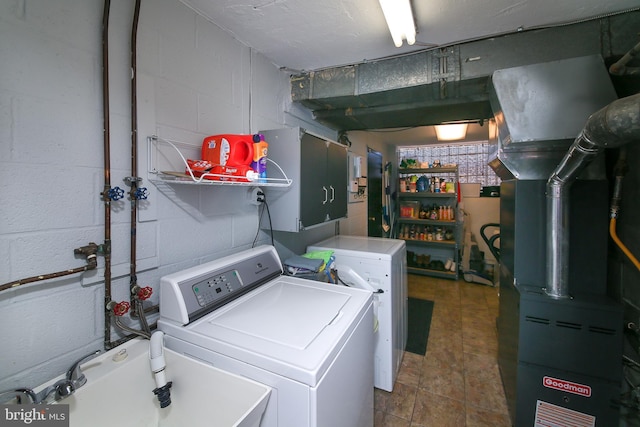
column 120, row 393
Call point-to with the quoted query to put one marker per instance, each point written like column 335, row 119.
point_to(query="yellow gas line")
column 627, row 252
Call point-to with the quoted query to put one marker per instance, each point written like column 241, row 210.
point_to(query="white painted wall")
column 194, row 80
column 480, row 211
column 357, row 220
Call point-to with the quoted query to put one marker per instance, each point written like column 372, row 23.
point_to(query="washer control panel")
column 214, row 288
column 190, row 294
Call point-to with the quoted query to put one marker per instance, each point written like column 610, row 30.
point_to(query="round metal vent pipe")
column 612, row 126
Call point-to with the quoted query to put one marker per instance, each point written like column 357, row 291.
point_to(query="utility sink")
column 119, row 392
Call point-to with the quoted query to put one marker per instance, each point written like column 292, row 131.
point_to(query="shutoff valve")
column 143, row 293
column 141, row 193
column 119, row 308
column 115, row 193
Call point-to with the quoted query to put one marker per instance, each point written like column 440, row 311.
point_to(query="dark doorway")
column 374, row 193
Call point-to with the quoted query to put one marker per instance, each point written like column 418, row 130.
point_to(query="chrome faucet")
column 67, row 386
column 61, row 389
column 75, row 375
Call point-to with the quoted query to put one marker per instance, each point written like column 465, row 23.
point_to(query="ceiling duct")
column 451, row 83
column 539, row 111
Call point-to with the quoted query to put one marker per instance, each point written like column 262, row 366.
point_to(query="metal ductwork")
column 614, row 125
column 539, row 109
column 450, row 83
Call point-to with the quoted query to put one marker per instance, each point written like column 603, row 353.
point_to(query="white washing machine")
column 379, row 265
column 310, row 342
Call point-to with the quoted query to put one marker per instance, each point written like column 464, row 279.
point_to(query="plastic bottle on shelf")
column 450, row 188
column 421, row 184
column 448, row 234
column 429, row 233
column 433, row 212
column 259, row 163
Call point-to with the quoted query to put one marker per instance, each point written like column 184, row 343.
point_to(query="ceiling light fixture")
column 451, row 132
column 400, row 20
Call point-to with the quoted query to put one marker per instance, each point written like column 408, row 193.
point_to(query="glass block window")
column 470, row 158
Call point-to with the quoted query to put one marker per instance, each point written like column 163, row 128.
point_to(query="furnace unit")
column 559, row 334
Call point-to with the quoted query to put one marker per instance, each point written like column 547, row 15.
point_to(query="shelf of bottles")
column 428, row 220
column 172, row 155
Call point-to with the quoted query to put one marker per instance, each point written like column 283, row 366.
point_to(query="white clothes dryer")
column 379, row 265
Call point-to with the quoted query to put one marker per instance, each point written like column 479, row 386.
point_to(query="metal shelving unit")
column 429, row 252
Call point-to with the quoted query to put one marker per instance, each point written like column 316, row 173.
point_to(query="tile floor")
column 457, row 383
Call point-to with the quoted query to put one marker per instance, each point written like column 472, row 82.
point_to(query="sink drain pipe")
column 158, row 365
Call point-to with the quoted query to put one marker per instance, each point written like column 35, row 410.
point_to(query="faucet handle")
column 75, row 375
column 65, row 389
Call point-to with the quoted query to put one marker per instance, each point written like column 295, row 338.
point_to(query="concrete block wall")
column 194, row 80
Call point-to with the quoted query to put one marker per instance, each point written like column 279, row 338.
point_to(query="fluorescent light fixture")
column 400, row 20
column 451, row 132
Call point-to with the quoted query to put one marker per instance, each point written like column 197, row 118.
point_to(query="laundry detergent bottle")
column 259, row 163
column 228, row 150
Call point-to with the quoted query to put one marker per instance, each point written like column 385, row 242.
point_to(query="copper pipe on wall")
column 89, row 251
column 32, row 279
column 107, row 172
column 91, row 265
column 136, row 192
column 133, row 279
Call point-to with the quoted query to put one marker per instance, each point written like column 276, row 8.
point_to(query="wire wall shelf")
column 169, row 168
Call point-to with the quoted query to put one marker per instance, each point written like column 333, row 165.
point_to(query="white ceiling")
column 307, row 35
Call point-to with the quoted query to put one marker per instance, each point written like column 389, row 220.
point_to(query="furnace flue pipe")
column 612, row 126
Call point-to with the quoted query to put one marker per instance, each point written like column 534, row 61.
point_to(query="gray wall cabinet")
column 318, row 168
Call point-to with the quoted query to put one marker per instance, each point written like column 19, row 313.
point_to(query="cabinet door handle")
column 326, row 195
column 333, row 194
